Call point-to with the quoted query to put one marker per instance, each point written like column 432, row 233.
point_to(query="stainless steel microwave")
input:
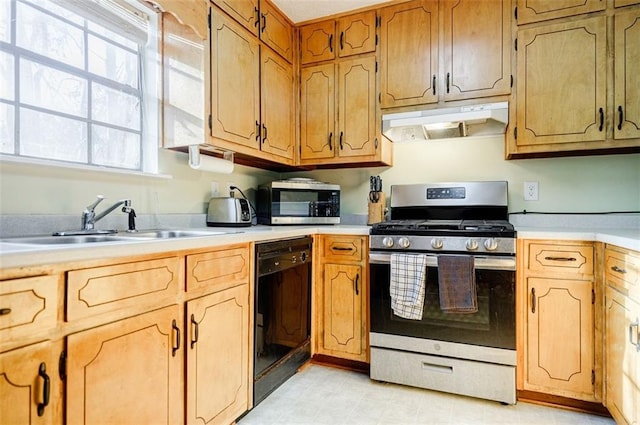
column 298, row 201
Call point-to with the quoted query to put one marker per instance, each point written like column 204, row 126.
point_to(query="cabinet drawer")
column 28, row 309
column 137, row 286
column 217, row 270
column 622, row 269
column 344, row 248
column 561, row 258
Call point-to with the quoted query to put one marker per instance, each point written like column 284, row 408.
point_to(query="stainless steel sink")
column 65, row 240
column 102, row 238
column 170, row 234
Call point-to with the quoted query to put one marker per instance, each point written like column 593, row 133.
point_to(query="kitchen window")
column 79, row 82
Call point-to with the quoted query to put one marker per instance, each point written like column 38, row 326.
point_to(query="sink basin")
column 65, row 240
column 170, row 234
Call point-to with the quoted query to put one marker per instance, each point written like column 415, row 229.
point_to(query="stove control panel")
column 443, row 244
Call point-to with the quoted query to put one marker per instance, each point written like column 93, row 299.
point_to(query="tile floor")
column 322, row 395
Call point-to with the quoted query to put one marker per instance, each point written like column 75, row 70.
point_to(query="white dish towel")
column 407, row 283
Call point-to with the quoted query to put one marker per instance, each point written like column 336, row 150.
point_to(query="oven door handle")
column 480, row 262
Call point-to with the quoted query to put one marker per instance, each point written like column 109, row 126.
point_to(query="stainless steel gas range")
column 463, row 226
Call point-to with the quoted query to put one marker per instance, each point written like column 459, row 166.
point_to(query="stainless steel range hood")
column 461, row 121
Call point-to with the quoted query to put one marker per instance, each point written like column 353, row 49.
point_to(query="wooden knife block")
column 376, row 209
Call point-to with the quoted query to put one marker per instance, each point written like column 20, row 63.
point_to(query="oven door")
column 493, row 325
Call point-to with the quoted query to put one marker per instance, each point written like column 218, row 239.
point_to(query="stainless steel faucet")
column 89, row 217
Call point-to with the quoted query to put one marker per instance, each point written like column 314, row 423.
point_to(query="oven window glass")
column 492, row 326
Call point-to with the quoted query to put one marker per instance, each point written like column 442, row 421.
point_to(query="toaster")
column 232, row 212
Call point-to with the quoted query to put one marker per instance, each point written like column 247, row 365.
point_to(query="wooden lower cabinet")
column 26, row 374
column 559, row 341
column 129, row 371
column 560, row 347
column 341, row 298
column 622, row 357
column 218, row 356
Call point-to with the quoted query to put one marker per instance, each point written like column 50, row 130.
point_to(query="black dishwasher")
column 282, row 312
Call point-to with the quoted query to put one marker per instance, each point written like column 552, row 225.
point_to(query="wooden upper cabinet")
column 356, row 34
column 317, row 42
column 357, row 125
column 561, row 89
column 627, row 75
column 476, row 55
column 542, row 10
column 409, row 54
column 277, row 105
column 235, row 82
column 192, row 13
column 243, row 11
column 276, row 31
column 317, row 112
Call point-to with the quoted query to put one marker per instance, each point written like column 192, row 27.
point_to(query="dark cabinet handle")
column 177, row 346
column 601, row 112
column 342, row 248
column 341, row 147
column 4, row 311
column 342, row 40
column 331, row 43
column 560, row 259
column 195, row 331
column 433, row 84
column 46, row 388
column 620, row 117
column 257, row 131
column 356, row 283
column 618, row 270
column 331, row 141
column 264, row 133
column 257, row 12
column 264, row 22
column 533, row 300
column 448, row 80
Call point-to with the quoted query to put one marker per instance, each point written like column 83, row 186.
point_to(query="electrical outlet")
column 215, row 189
column 530, row 191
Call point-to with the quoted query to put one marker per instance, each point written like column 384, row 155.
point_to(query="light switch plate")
column 530, row 191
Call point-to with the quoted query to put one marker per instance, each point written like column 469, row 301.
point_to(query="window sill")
column 9, row 159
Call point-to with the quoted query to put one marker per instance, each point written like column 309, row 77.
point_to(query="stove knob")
column 436, row 243
column 471, row 245
column 490, row 244
column 404, row 242
column 387, row 242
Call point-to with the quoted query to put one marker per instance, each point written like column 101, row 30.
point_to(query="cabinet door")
column 357, row 124
column 357, row 34
column 622, row 357
column 25, row 375
column 218, row 355
column 235, row 82
column 128, row 371
column 317, row 42
column 343, row 309
column 277, row 105
column 561, row 90
column 540, row 10
column 243, row 11
column 317, row 112
column 560, row 347
column 409, row 54
column 477, row 33
column 627, row 75
column 276, row 31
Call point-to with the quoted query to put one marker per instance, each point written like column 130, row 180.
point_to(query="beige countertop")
column 13, row 255
column 16, row 255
